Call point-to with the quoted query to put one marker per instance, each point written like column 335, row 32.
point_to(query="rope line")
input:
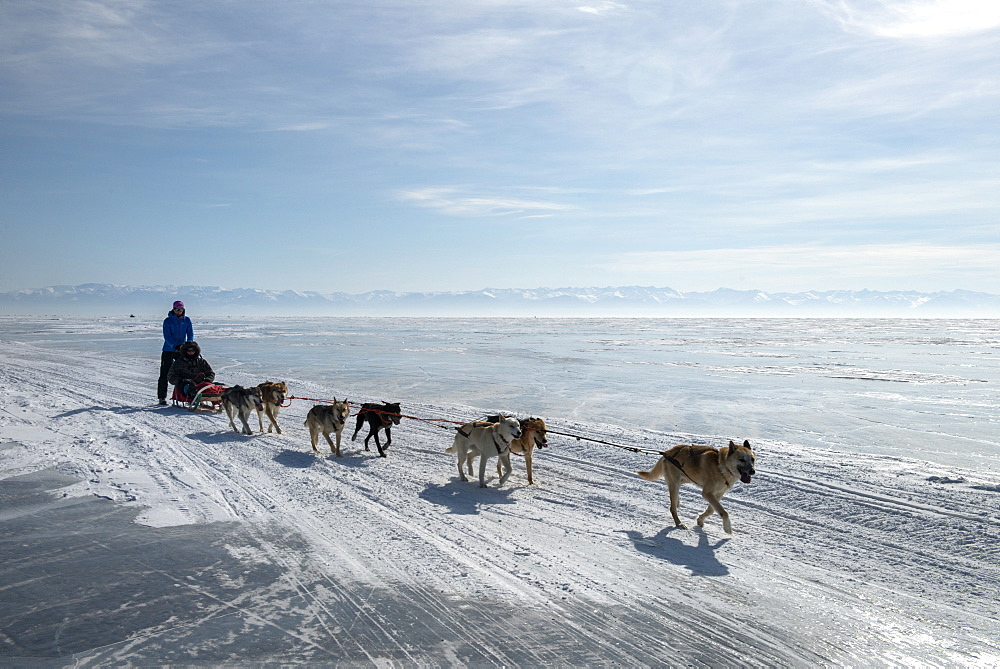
column 433, row 421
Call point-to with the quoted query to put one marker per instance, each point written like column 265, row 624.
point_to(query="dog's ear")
column 731, row 444
column 335, row 400
column 746, row 443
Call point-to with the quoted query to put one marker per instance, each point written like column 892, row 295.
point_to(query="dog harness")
column 505, row 447
column 672, row 460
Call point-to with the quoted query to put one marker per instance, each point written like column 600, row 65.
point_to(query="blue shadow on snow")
column 700, row 559
column 465, row 497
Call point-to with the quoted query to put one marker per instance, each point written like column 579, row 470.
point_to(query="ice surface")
column 870, row 535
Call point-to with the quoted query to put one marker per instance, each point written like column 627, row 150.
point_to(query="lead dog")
column 533, row 432
column 324, row 419
column 485, row 440
column 379, row 417
column 272, row 395
column 240, row 401
column 715, row 471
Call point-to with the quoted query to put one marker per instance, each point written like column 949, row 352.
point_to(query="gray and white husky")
column 324, row 419
column 240, row 401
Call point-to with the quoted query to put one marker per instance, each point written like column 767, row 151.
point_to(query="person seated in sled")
column 190, row 369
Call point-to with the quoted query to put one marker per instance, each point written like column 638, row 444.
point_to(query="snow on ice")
column 136, row 534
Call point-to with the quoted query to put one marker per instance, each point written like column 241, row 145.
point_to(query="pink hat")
column 178, row 305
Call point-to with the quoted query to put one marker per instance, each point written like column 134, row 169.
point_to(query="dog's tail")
column 656, row 473
column 454, row 444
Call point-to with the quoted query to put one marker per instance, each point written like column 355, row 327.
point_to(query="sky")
column 455, row 145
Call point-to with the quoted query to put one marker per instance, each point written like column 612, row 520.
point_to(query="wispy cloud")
column 587, row 126
column 916, row 19
column 455, row 202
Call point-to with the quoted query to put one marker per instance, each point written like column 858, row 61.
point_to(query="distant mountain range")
column 107, row 299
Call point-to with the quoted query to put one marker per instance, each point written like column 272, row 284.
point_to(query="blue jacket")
column 176, row 331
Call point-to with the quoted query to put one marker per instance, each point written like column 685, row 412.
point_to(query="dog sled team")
column 714, row 471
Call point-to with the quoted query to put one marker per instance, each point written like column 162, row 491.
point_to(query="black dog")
column 379, row 417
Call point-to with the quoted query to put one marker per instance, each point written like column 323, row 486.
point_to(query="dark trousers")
column 166, row 359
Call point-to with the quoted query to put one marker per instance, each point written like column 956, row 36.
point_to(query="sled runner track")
column 496, row 567
column 883, row 502
column 487, row 643
column 635, row 649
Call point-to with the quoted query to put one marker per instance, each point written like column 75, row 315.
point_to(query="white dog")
column 485, row 440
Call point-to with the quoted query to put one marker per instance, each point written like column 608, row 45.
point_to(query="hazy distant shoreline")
column 623, row 301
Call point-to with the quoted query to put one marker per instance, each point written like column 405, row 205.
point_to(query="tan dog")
column 715, row 471
column 485, row 440
column 533, row 432
column 272, row 395
column 324, row 419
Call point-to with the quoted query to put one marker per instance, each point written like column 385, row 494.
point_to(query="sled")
column 208, row 396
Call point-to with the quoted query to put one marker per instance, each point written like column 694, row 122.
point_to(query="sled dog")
column 324, row 419
column 272, row 395
column 533, row 432
column 485, row 440
column 240, row 401
column 378, row 417
column 715, row 471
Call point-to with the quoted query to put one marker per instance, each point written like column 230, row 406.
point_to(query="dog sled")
column 208, row 396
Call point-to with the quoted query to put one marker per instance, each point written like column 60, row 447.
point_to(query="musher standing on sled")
column 177, row 329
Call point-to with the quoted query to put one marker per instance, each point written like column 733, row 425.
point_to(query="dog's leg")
column 527, row 462
column 229, row 412
column 462, row 459
column 388, row 437
column 272, row 415
column 469, row 459
column 339, row 432
column 313, row 437
column 378, row 445
column 483, row 460
column 246, row 425
column 357, row 428
column 675, row 500
column 505, row 460
column 714, row 506
column 333, row 449
column 260, row 419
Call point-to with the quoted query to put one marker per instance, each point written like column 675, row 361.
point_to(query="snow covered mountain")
column 640, row 301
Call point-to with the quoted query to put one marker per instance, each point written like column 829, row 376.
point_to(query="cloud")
column 453, row 202
column 916, row 19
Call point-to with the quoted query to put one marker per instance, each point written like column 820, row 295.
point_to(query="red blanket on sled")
column 206, row 389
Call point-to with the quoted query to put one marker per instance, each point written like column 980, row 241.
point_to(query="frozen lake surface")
column 925, row 389
column 133, row 534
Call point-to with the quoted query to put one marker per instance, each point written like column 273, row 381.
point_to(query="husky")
column 533, row 433
column 272, row 395
column 379, row 417
column 486, row 440
column 240, row 401
column 324, row 419
column 715, row 471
